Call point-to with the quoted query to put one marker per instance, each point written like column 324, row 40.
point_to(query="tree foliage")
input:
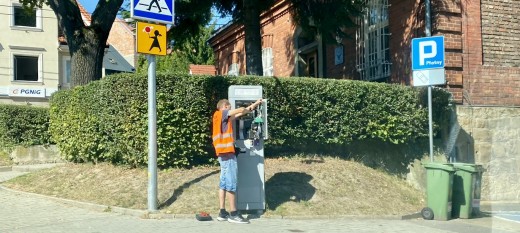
column 106, row 120
column 193, row 50
column 326, row 18
column 171, row 63
column 196, row 48
column 87, row 43
column 248, row 13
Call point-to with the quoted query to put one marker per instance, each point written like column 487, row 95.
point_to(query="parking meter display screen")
column 243, row 124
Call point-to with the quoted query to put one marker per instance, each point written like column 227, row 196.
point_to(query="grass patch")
column 294, row 186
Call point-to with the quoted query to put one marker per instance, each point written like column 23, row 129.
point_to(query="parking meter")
column 250, row 131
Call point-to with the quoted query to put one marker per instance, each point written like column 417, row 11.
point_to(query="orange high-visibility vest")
column 222, row 141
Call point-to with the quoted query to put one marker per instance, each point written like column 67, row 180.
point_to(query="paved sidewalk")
column 27, row 213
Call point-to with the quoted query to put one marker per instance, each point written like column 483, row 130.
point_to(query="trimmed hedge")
column 309, row 114
column 106, row 120
column 23, row 125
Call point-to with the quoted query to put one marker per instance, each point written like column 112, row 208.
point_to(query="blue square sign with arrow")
column 160, row 11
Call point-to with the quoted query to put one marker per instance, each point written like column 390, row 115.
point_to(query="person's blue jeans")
column 228, row 172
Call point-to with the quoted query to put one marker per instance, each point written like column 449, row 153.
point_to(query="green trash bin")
column 477, row 189
column 439, row 183
column 466, row 190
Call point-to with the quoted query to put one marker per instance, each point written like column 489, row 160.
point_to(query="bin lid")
column 443, row 166
column 469, row 167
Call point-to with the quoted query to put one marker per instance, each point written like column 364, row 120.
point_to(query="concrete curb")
column 145, row 214
column 84, row 205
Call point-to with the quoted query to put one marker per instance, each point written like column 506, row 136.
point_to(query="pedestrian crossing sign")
column 151, row 38
column 160, row 11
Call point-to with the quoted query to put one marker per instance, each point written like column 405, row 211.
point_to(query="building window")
column 233, row 59
column 66, row 68
column 309, row 55
column 27, row 68
column 68, row 71
column 338, row 55
column 372, row 42
column 22, row 18
column 267, row 61
column 233, row 70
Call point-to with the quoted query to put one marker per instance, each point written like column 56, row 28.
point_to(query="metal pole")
column 152, row 136
column 427, row 7
column 429, row 33
column 430, row 128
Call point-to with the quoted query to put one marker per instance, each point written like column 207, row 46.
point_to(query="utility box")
column 250, row 131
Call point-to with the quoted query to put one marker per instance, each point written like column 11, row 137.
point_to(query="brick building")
column 202, row 69
column 482, row 69
column 481, row 38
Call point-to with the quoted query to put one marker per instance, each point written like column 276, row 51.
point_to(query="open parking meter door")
column 250, row 131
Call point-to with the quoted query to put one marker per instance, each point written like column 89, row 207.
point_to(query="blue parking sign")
column 160, row 11
column 428, row 53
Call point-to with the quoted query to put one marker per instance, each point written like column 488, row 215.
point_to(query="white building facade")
column 29, row 59
column 34, row 62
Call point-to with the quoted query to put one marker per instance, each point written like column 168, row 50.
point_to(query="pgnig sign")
column 27, row 92
column 428, row 53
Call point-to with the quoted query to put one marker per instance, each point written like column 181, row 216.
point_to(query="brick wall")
column 277, row 30
column 122, row 38
column 500, row 32
column 406, row 22
column 482, row 56
column 202, row 69
column 347, row 68
column 482, row 47
column 447, row 21
column 229, row 48
column 489, row 78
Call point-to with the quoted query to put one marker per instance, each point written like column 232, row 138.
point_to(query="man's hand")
column 254, row 105
column 242, row 111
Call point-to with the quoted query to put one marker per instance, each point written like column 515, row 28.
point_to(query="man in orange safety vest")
column 224, row 145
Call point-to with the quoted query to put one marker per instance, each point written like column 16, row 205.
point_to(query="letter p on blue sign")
column 428, row 53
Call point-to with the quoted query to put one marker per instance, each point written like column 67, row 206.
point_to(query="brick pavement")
column 28, row 213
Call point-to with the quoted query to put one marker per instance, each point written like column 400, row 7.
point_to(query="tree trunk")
column 86, row 43
column 86, row 58
column 253, row 37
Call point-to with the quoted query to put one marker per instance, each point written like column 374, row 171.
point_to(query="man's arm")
column 242, row 111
